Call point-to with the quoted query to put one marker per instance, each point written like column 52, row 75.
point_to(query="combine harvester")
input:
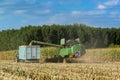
column 68, row 51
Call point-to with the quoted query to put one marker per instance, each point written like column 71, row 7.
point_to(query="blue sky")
column 97, row 13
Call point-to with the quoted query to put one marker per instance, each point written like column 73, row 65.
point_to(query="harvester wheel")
column 71, row 56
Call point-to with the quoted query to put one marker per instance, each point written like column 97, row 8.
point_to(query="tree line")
column 91, row 37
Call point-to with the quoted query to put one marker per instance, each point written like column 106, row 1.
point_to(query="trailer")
column 28, row 53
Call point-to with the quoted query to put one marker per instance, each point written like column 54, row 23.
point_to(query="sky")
column 15, row 14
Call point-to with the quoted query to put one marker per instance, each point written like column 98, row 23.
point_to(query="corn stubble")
column 59, row 71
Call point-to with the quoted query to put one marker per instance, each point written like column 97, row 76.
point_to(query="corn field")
column 99, row 64
column 104, row 54
column 59, row 71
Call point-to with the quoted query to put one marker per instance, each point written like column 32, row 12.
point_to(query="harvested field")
column 58, row 71
column 98, row 64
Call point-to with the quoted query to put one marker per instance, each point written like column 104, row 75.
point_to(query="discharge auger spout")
column 44, row 43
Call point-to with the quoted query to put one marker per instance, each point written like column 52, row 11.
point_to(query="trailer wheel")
column 16, row 59
column 64, row 60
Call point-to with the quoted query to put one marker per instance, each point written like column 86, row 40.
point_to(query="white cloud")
column 43, row 11
column 47, row 4
column 96, row 12
column 109, row 3
column 20, row 11
column 100, row 6
column 46, row 11
column 31, row 1
column 1, row 11
column 76, row 12
column 92, row 12
column 86, row 17
column 24, row 21
column 68, row 2
column 58, row 18
column 115, row 13
column 8, row 2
